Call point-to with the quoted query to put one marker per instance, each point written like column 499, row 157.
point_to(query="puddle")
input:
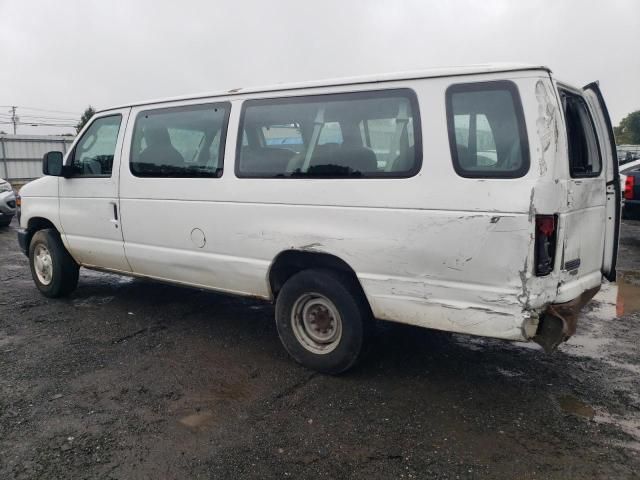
column 570, row 404
column 196, row 420
column 628, row 299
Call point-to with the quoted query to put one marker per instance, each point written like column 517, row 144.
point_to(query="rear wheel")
column 54, row 271
column 322, row 317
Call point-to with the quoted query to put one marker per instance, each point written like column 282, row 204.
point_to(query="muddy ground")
column 130, row 379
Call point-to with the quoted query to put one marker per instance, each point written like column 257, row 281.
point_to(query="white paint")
column 434, row 250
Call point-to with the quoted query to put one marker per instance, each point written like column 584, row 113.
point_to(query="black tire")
column 353, row 311
column 64, row 269
column 5, row 223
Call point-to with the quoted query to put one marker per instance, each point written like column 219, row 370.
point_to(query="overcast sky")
column 63, row 55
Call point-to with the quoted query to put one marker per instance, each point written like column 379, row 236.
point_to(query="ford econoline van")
column 481, row 200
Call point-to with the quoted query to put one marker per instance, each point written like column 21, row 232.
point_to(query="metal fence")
column 21, row 155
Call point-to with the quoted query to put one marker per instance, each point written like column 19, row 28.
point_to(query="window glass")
column 330, row 133
column 180, row 141
column 282, row 136
column 364, row 134
column 487, row 134
column 93, row 155
column 584, row 154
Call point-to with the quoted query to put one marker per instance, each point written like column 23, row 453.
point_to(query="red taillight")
column 545, row 244
column 629, row 183
column 546, row 224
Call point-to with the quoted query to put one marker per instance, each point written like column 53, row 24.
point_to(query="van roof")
column 371, row 78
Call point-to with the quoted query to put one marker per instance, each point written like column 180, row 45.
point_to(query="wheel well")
column 290, row 262
column 35, row 224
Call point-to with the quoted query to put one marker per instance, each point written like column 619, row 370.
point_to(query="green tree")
column 628, row 132
column 86, row 116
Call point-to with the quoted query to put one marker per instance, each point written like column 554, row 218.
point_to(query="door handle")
column 114, row 220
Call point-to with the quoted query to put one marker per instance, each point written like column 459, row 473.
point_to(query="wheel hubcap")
column 43, row 264
column 316, row 323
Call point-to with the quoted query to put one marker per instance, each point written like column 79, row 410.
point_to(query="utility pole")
column 14, row 119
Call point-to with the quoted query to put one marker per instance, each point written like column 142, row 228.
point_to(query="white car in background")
column 7, row 203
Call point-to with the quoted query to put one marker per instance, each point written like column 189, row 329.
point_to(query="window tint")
column 487, row 134
column 584, row 154
column 180, row 141
column 93, row 155
column 363, row 134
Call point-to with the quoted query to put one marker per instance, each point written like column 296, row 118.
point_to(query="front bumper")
column 23, row 240
column 7, row 204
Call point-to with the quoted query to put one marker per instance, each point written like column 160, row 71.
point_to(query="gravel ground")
column 130, row 379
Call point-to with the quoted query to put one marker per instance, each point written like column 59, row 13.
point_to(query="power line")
column 39, row 117
column 40, row 109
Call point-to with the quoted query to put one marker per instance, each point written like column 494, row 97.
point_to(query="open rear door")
column 610, row 158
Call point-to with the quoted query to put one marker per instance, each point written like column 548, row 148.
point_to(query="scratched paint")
column 546, row 125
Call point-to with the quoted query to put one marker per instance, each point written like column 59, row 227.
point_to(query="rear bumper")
column 23, row 237
column 559, row 320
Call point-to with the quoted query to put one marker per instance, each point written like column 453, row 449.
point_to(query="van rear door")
column 582, row 223
column 609, row 157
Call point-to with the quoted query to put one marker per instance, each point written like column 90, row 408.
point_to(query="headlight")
column 5, row 187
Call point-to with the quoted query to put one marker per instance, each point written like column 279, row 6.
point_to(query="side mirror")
column 52, row 164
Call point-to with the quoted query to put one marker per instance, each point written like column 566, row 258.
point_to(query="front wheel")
column 54, row 271
column 322, row 317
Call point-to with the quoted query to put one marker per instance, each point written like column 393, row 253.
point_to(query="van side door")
column 89, row 205
column 171, row 176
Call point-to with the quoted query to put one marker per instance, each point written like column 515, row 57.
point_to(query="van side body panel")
column 435, row 250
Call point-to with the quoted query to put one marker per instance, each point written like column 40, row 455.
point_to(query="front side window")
column 180, row 141
column 350, row 135
column 487, row 134
column 94, row 152
column 584, row 153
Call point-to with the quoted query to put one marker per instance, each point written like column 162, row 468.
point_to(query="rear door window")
column 584, row 152
column 487, row 133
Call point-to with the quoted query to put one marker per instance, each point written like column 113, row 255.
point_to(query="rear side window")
column 350, row 135
column 487, row 133
column 584, row 152
column 180, row 141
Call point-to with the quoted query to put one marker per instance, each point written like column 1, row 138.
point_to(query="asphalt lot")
column 130, row 379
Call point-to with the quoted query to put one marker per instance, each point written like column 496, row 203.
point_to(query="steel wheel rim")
column 316, row 323
column 43, row 264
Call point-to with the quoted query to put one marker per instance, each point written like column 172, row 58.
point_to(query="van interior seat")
column 265, row 159
column 358, row 159
column 405, row 161
column 160, row 151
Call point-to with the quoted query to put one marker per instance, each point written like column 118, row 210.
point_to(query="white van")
column 481, row 200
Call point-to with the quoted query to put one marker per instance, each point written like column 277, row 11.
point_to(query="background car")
column 630, row 182
column 7, row 203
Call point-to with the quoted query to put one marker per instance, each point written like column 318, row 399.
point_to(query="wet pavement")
column 130, row 379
